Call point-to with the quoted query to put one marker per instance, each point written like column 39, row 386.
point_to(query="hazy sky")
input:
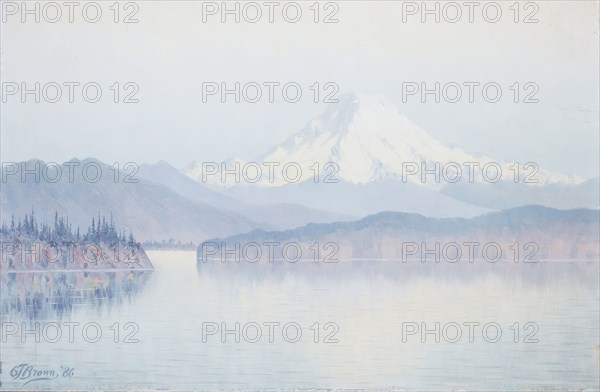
column 170, row 52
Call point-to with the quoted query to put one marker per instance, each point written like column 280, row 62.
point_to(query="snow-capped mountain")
column 365, row 138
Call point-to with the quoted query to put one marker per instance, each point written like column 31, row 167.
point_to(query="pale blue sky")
column 170, row 52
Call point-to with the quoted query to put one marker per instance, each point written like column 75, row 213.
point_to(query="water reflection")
column 49, row 295
column 369, row 301
column 583, row 275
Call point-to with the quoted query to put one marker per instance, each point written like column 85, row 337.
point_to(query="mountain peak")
column 338, row 116
column 366, row 135
column 370, row 139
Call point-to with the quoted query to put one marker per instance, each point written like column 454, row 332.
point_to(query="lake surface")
column 347, row 325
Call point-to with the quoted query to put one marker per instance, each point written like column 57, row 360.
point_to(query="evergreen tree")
column 100, row 230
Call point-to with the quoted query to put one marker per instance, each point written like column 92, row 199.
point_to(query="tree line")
column 100, row 230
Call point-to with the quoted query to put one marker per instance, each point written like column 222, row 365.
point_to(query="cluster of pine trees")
column 100, row 230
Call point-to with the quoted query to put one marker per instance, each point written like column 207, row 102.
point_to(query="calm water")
column 361, row 309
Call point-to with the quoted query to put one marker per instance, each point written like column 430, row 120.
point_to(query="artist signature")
column 28, row 373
